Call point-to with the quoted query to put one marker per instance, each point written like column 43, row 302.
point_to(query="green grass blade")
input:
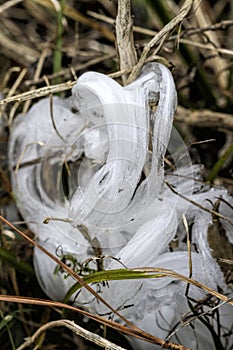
column 110, row 275
column 57, row 58
column 18, row 264
column 219, row 164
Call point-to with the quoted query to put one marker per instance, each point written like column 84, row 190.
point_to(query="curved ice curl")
column 120, row 136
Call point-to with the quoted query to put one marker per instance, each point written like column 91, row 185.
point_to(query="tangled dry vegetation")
column 44, row 46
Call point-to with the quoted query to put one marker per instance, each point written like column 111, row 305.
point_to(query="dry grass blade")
column 201, row 118
column 217, row 63
column 77, row 16
column 11, row 48
column 38, row 70
column 109, row 20
column 17, row 82
column 193, row 318
column 137, row 330
column 166, row 272
column 9, row 4
column 66, row 72
column 183, row 40
column 124, row 36
column 208, row 47
column 92, row 337
column 68, row 269
column 164, row 32
column 213, row 212
column 227, row 261
column 53, row 89
column 148, row 272
column 123, row 329
column 44, row 91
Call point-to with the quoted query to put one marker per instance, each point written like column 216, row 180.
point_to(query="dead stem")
column 202, row 117
column 165, row 31
column 213, row 212
column 124, row 36
column 91, row 290
column 92, row 337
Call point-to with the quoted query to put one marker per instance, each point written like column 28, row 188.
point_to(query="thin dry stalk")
column 12, row 91
column 124, row 36
column 44, row 91
column 193, row 318
column 38, row 71
column 208, row 47
column 141, row 334
column 69, row 270
column 217, row 63
column 135, row 331
column 79, row 17
column 12, row 49
column 92, row 337
column 222, row 25
column 8, row 5
column 166, row 272
column 51, row 113
column 202, row 117
column 213, row 212
column 112, row 21
column 66, row 72
column 164, row 32
column 17, row 82
column 5, row 80
column 52, row 89
column 185, row 222
column 125, row 330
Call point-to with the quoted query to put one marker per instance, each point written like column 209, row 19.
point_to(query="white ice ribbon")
column 115, row 146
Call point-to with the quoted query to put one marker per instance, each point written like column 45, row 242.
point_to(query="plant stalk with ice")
column 102, row 170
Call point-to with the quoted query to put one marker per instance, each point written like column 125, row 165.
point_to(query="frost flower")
column 97, row 159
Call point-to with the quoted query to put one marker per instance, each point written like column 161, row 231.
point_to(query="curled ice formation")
column 97, row 160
